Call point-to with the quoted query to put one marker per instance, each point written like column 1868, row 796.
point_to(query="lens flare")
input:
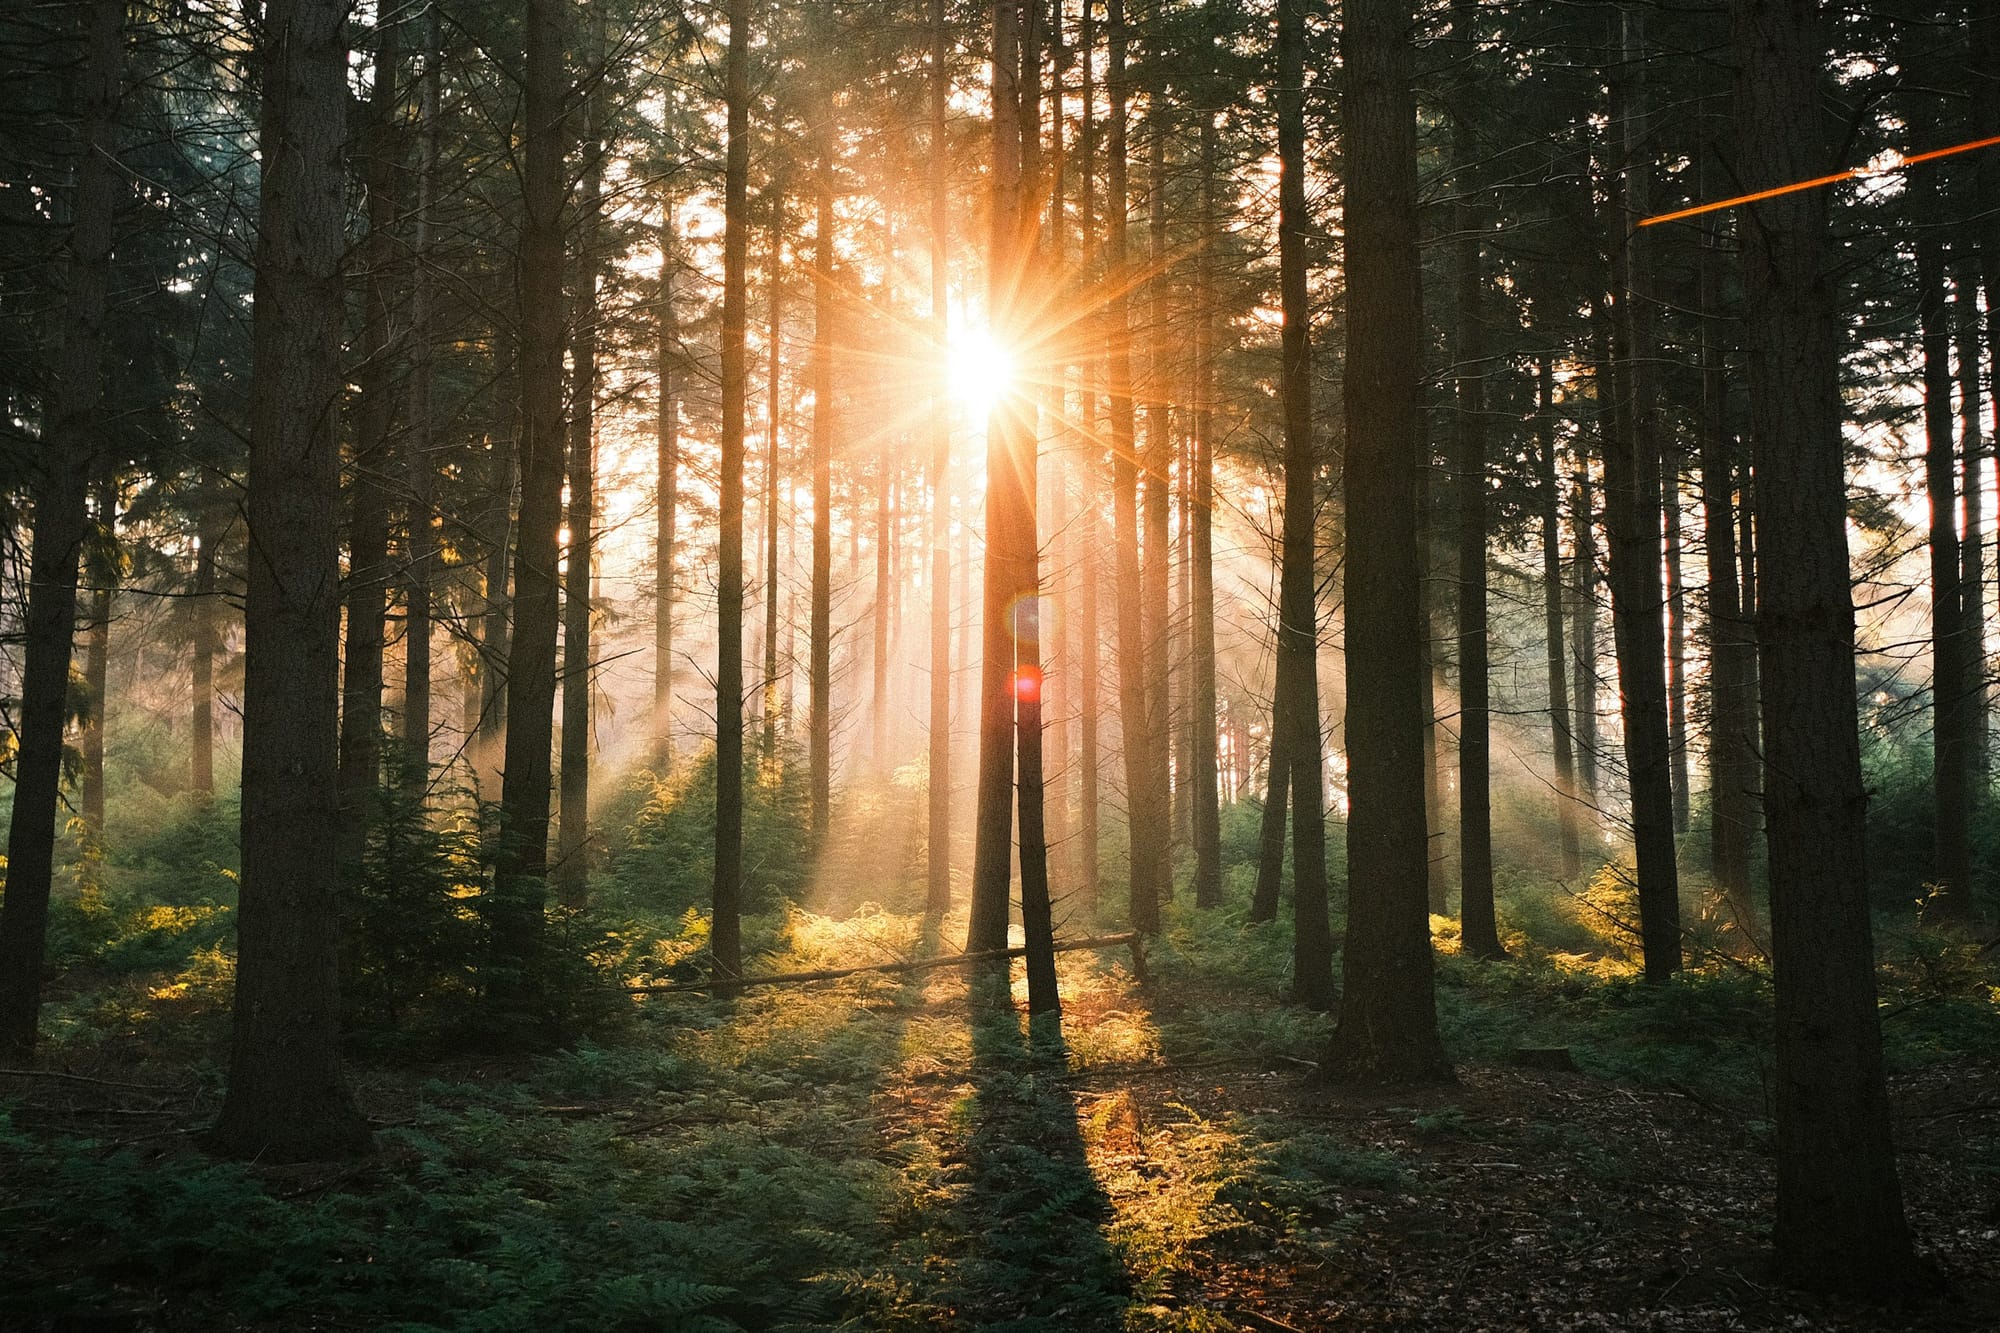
column 978, row 369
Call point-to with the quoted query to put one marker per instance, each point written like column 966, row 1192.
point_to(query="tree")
column 70, row 454
column 1475, row 778
column 1840, row 1207
column 726, row 930
column 287, row 1099
column 520, row 870
column 1295, row 709
column 937, row 871
column 1387, row 1028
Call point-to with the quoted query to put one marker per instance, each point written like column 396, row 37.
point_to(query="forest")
column 1039, row 664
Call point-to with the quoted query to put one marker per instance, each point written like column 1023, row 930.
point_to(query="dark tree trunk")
column 1840, row 1208
column 819, row 726
column 1568, row 837
column 1475, row 765
column 1295, row 711
column 1157, row 567
column 578, row 676
column 369, row 509
column 1387, row 1030
column 667, row 469
column 937, row 895
column 1632, row 507
column 1972, row 550
column 1206, row 818
column 1951, row 874
column 1089, row 635
column 97, row 667
column 1143, row 822
column 213, row 525
column 1732, row 756
column 1583, row 590
column 774, row 475
column 287, row 1099
column 422, row 541
column 70, row 451
column 726, row 930
column 520, row 890
column 1265, row 896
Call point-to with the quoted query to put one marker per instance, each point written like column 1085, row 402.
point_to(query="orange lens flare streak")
column 1852, row 173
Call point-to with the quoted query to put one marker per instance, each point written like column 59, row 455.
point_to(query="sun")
column 979, row 370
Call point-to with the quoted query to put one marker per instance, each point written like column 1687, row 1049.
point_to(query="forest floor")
column 883, row 1153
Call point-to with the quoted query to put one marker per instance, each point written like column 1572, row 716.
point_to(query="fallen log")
column 1130, row 938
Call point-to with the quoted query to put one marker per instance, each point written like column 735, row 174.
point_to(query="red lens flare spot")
column 1028, row 685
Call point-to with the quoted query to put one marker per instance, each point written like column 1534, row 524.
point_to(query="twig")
column 80, row 1078
column 917, row 965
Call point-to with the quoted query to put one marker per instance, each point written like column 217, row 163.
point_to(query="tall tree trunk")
column 1295, row 710
column 819, row 726
column 1475, row 765
column 1143, row 830
column 578, row 676
column 422, row 541
column 726, row 930
column 1632, row 507
column 1089, row 635
column 1009, row 453
column 211, row 526
column 1568, row 837
column 774, row 475
column 97, row 666
column 1732, row 756
column 1972, row 550
column 368, row 569
column 1387, row 1030
column 1676, row 612
column 1206, row 817
column 1264, row 897
column 1840, row 1207
column 1583, row 590
column 1157, row 566
column 71, row 448
column 1951, row 873
column 287, row 1099
column 937, row 891
column 516, row 917
column 666, row 493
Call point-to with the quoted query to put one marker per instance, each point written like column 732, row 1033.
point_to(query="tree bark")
column 71, row 449
column 287, row 1099
column 1840, row 1210
column 422, row 541
column 1157, row 566
column 937, row 891
column 774, row 474
column 578, row 675
column 1387, row 1030
column 1206, row 817
column 1732, row 756
column 1295, row 710
column 1972, row 550
column 97, row 666
column 726, row 928
column 1568, row 836
column 1632, row 509
column 1480, row 932
column 1143, row 822
column 211, row 527
column 819, row 726
column 369, row 510
column 516, row 916
column 1951, row 873
column 667, row 467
